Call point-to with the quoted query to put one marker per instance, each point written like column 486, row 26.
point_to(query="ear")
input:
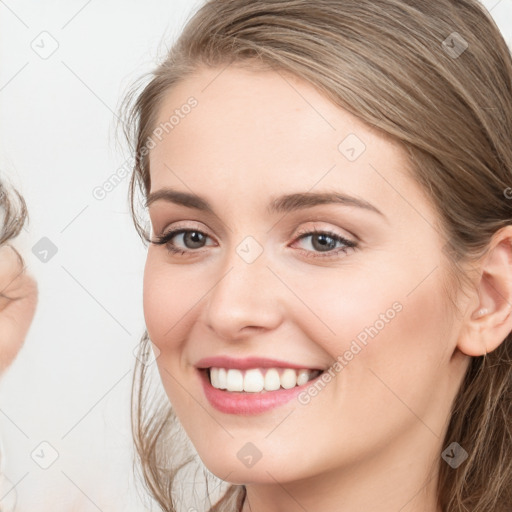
column 18, row 298
column 488, row 320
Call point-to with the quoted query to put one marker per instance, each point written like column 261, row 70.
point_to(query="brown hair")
column 437, row 78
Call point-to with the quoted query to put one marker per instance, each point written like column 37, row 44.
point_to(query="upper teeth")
column 256, row 379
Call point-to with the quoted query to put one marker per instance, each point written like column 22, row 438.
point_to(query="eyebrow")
column 283, row 204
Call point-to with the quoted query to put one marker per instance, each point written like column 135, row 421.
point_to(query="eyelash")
column 165, row 239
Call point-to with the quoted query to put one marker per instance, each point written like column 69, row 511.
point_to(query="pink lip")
column 247, row 404
column 248, row 362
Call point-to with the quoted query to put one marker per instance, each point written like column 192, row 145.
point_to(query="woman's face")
column 254, row 165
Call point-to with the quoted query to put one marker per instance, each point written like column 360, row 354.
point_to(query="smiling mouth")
column 258, row 380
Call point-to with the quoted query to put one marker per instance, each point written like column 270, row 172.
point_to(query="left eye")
column 326, row 241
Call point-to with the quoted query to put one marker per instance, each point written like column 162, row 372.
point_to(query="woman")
column 18, row 298
column 18, row 290
column 329, row 277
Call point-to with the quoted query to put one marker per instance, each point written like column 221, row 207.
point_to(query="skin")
column 372, row 438
column 18, row 299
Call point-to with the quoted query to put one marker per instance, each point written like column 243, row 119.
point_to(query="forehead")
column 267, row 130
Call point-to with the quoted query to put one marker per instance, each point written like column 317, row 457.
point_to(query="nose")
column 245, row 298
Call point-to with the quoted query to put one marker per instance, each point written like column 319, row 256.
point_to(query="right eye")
column 192, row 237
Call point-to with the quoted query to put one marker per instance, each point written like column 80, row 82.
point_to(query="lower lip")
column 246, row 404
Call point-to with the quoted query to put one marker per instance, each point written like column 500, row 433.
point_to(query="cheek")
column 168, row 298
column 393, row 322
column 388, row 295
column 348, row 304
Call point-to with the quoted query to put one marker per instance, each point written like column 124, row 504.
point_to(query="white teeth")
column 256, row 380
column 289, row 379
column 272, row 380
column 302, row 377
column 253, row 381
column 234, row 380
column 223, row 382
column 218, row 375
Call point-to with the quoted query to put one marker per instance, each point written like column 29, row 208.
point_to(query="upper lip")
column 248, row 362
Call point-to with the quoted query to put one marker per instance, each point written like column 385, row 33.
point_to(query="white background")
column 70, row 384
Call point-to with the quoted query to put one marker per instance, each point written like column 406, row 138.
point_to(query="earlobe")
column 489, row 319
